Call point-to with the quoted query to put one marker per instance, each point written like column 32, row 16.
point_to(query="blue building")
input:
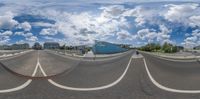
column 101, row 47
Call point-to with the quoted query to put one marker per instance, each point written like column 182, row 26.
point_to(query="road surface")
column 119, row 77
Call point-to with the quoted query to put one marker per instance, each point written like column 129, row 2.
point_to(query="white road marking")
column 13, row 56
column 88, row 89
column 166, row 88
column 23, row 85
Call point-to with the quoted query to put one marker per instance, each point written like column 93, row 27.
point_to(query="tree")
column 151, row 47
column 169, row 48
column 157, row 47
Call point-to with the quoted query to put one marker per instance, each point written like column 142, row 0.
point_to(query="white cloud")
column 42, row 24
column 19, row 33
column 25, row 34
column 6, row 33
column 194, row 21
column 5, row 37
column 164, row 35
column 114, row 11
column 151, row 35
column 142, row 15
column 28, row 36
column 48, row 38
column 193, row 40
column 21, row 42
column 49, row 31
column 25, row 26
column 187, row 34
column 81, row 2
column 107, row 21
column 4, row 40
column 147, row 34
column 180, row 13
column 7, row 21
column 32, row 39
column 124, row 35
column 85, row 26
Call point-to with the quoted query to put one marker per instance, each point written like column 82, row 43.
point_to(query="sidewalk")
column 11, row 54
column 179, row 55
column 91, row 54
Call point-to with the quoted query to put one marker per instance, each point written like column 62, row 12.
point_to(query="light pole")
column 94, row 49
column 65, row 48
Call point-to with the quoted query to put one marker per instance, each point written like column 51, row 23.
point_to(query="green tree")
column 169, row 48
column 157, row 47
column 151, row 47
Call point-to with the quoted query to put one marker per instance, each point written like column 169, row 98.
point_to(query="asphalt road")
column 119, row 77
column 23, row 64
column 174, row 74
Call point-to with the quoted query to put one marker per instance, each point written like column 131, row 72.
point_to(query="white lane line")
column 14, row 56
column 88, row 89
column 166, row 88
column 23, row 85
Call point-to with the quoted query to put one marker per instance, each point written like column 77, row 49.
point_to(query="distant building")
column 51, row 45
column 5, row 47
column 180, row 48
column 101, row 47
column 37, row 46
column 197, row 48
column 20, row 46
column 1, row 47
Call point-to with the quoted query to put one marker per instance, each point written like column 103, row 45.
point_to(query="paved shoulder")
column 177, row 75
column 23, row 64
column 9, row 80
column 54, row 64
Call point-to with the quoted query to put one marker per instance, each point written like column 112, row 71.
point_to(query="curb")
column 174, row 58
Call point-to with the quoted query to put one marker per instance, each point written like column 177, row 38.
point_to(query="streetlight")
column 65, row 48
column 95, row 49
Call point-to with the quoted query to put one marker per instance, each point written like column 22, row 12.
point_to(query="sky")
column 80, row 22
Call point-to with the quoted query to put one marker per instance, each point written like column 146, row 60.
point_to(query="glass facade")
column 101, row 47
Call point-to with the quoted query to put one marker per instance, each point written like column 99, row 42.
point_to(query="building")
column 37, row 46
column 197, row 48
column 5, row 47
column 51, row 45
column 179, row 48
column 14, row 46
column 20, row 46
column 101, row 47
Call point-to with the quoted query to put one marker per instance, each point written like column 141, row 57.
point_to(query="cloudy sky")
column 77, row 22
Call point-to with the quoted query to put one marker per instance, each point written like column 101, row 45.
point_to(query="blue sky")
column 77, row 22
